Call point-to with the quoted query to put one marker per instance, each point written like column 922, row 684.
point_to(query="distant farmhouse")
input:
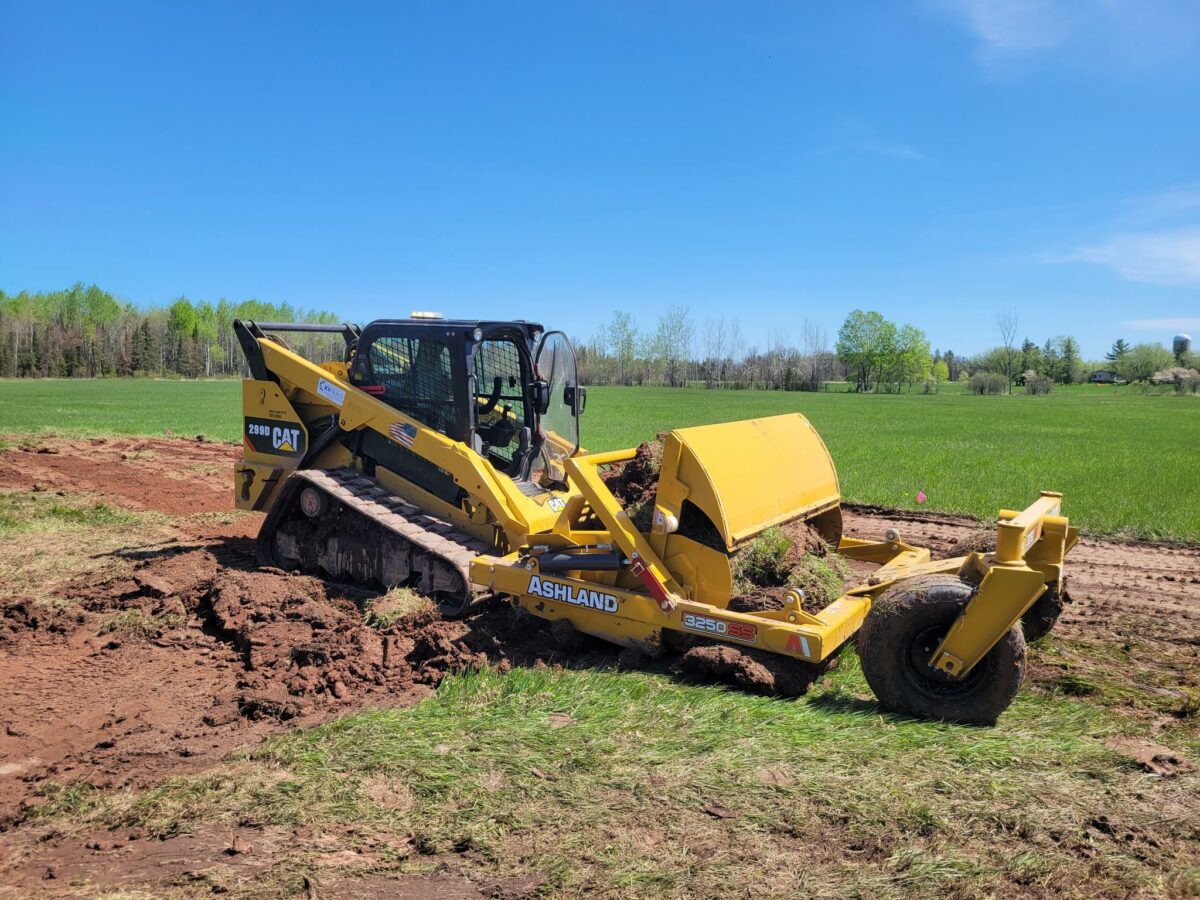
column 1103, row 376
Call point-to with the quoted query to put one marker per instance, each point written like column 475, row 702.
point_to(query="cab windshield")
column 560, row 421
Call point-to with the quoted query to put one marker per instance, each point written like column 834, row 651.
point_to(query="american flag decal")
column 405, row 434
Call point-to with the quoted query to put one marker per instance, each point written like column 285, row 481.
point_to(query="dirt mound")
column 751, row 670
column 635, row 483
column 293, row 640
column 980, row 541
column 191, row 650
column 196, row 652
column 760, row 600
column 300, row 642
column 805, row 539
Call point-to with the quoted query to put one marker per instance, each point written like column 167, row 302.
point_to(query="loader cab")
column 507, row 389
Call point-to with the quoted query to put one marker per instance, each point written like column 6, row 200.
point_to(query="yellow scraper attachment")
column 746, row 476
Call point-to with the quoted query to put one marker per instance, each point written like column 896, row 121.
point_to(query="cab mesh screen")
column 415, row 374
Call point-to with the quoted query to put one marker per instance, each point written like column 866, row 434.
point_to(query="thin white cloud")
column 1168, row 324
column 896, row 151
column 1167, row 204
column 1012, row 26
column 875, row 148
column 1154, row 257
column 1137, row 32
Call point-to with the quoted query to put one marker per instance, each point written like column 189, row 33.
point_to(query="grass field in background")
column 128, row 406
column 1128, row 463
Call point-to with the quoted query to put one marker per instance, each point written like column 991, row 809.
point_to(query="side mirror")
column 576, row 399
column 541, row 395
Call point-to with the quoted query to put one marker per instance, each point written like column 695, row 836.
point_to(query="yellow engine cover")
column 274, row 440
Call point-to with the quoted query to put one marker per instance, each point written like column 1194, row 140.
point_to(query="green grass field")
column 624, row 784
column 1129, row 464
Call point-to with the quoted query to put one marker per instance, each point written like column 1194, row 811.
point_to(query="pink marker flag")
column 920, row 496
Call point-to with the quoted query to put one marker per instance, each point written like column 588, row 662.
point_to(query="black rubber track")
column 385, row 541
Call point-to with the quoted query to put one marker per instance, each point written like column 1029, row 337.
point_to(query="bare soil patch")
column 165, row 475
column 1154, row 758
column 194, row 651
column 197, row 653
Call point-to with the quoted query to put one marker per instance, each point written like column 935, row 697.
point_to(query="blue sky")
column 938, row 160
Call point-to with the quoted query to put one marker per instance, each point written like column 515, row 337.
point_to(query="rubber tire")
column 1039, row 619
column 885, row 644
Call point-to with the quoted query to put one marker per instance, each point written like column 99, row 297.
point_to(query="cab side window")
column 499, row 398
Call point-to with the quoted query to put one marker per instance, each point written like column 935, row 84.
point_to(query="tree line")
column 1058, row 360
column 86, row 332
column 713, row 353
column 870, row 351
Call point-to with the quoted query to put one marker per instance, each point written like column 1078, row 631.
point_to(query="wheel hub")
column 921, row 651
column 312, row 502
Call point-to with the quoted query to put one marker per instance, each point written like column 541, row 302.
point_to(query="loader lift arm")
column 249, row 333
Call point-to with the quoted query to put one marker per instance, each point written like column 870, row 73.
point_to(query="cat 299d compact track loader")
column 445, row 456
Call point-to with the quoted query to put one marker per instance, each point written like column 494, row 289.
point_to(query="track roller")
column 341, row 526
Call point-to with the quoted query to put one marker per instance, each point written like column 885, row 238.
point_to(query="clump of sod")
column 766, row 562
column 773, row 560
column 399, row 605
column 821, row 578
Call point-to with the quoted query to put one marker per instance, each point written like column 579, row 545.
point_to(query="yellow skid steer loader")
column 444, row 455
